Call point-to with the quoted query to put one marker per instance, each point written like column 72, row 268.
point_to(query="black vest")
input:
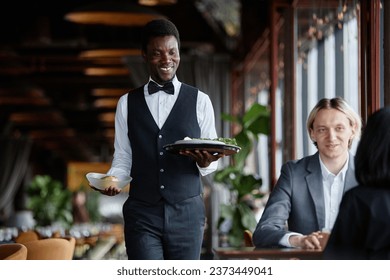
column 156, row 173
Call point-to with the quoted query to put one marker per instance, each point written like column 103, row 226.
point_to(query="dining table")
column 237, row 253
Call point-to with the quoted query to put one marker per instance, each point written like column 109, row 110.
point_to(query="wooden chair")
column 72, row 241
column 13, row 251
column 27, row 236
column 248, row 238
column 51, row 249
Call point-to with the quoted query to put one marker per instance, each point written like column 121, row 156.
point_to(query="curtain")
column 211, row 74
column 14, row 159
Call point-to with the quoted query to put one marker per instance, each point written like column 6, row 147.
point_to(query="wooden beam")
column 289, row 97
column 386, row 48
column 369, row 57
column 273, row 87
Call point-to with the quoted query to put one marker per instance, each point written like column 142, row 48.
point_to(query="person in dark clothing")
column 164, row 214
column 362, row 227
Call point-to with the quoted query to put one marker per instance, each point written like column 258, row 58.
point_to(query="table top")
column 267, row 253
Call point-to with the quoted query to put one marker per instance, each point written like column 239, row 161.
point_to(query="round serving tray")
column 212, row 148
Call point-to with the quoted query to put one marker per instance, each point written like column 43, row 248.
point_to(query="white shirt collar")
column 175, row 82
column 326, row 173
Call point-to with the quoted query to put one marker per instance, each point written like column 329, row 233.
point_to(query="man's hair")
column 158, row 28
column 341, row 105
column 372, row 159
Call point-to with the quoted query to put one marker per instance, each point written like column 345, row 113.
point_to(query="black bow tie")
column 153, row 87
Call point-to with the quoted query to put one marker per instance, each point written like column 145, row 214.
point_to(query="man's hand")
column 110, row 191
column 202, row 158
column 310, row 241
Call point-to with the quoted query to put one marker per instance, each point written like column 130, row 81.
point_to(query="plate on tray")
column 95, row 179
column 212, row 146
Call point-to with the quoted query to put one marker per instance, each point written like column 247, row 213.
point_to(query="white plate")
column 95, row 180
column 200, row 142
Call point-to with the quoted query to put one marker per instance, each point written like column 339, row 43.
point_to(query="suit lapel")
column 314, row 185
column 350, row 180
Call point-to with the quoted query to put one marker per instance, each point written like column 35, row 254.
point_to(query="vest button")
column 162, row 187
column 160, row 136
column 161, row 170
column 161, row 153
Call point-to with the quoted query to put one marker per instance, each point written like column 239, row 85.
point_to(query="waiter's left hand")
column 202, row 158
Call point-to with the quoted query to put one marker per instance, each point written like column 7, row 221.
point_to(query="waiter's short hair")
column 157, row 28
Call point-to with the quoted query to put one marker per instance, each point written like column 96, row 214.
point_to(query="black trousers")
column 163, row 230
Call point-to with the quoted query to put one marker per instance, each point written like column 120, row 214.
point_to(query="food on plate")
column 215, row 146
column 227, row 141
column 109, row 181
column 110, row 178
column 102, row 181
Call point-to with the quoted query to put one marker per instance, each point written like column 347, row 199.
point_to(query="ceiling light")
column 113, row 14
column 23, row 101
column 109, row 103
column 156, row 2
column 52, row 133
column 53, row 118
column 106, row 71
column 108, row 53
column 109, row 92
column 109, row 133
column 107, row 118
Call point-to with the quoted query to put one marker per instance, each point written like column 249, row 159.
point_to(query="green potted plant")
column 243, row 187
column 49, row 201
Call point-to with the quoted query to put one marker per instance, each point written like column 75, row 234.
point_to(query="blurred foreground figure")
column 362, row 228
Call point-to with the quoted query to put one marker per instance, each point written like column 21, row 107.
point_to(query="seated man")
column 307, row 195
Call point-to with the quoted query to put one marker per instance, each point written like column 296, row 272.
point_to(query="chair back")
column 13, row 251
column 248, row 238
column 72, row 242
column 51, row 249
column 27, row 236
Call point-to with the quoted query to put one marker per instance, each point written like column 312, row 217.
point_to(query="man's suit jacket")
column 297, row 201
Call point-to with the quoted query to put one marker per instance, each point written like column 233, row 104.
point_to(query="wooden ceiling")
column 65, row 101
column 56, row 92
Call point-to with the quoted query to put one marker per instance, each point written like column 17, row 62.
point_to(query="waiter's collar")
column 174, row 81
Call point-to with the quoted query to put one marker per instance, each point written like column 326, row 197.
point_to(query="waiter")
column 164, row 214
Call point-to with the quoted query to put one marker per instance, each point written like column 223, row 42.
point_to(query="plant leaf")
column 248, row 219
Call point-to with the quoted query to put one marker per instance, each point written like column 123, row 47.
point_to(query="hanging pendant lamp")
column 156, row 2
column 115, row 13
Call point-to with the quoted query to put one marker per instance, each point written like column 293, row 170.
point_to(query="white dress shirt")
column 160, row 105
column 333, row 192
column 333, row 186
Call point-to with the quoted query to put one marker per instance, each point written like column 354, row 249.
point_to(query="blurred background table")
column 93, row 241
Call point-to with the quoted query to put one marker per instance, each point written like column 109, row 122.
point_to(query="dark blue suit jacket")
column 297, row 201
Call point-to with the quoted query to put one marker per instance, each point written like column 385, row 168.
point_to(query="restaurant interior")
column 64, row 65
